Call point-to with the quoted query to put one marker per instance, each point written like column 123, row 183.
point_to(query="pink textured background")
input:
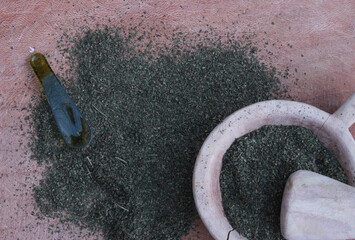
column 322, row 30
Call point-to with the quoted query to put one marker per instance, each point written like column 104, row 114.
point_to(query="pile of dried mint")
column 149, row 117
column 255, row 170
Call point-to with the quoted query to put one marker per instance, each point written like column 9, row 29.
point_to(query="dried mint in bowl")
column 150, row 113
column 255, row 171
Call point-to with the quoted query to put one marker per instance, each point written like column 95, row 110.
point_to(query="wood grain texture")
column 317, row 207
column 323, row 31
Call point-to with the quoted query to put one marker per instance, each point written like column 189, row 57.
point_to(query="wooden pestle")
column 317, row 207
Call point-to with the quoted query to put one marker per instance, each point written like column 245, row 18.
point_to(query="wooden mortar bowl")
column 332, row 130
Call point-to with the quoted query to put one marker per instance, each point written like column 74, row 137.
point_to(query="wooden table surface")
column 316, row 37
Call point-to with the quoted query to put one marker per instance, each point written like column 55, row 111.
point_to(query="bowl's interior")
column 209, row 161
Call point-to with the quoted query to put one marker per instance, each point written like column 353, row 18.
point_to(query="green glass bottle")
column 72, row 125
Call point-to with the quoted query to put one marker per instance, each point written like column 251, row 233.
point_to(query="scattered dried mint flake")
column 256, row 168
column 150, row 116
